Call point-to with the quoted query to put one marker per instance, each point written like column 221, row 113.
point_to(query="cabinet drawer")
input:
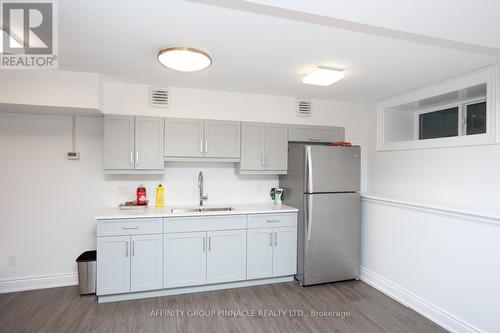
column 272, row 220
column 208, row 223
column 129, row 227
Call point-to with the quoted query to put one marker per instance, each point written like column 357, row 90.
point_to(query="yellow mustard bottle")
column 160, row 196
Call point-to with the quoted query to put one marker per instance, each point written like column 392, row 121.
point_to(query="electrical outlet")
column 11, row 260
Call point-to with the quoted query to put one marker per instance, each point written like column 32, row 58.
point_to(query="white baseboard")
column 38, row 282
column 194, row 289
column 423, row 307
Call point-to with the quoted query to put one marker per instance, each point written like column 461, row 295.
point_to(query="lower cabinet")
column 272, row 252
column 197, row 258
column 138, row 255
column 226, row 256
column 284, row 251
column 185, row 260
column 129, row 263
column 113, row 265
column 146, row 262
column 260, row 253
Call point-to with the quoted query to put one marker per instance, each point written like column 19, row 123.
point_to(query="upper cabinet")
column 133, row 144
column 194, row 139
column 222, row 139
column 327, row 134
column 183, row 137
column 264, row 149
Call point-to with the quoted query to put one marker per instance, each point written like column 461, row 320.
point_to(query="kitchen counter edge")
column 153, row 212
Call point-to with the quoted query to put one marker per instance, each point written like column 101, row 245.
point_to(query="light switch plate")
column 73, row 155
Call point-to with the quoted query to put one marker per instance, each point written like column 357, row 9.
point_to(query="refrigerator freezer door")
column 332, row 169
column 332, row 237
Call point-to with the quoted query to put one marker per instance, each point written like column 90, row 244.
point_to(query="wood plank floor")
column 354, row 307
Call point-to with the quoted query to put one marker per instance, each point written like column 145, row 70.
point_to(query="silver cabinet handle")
column 131, row 158
column 270, row 239
column 136, row 158
column 209, row 243
column 130, row 228
column 201, row 146
column 268, row 160
column 204, row 242
column 206, row 146
column 316, row 140
column 126, row 249
column 275, row 239
column 133, row 248
column 272, row 221
column 262, row 159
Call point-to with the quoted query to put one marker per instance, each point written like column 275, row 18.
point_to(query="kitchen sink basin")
column 216, row 209
column 185, row 210
column 201, row 209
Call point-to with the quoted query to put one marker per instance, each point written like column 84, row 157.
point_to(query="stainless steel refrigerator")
column 324, row 182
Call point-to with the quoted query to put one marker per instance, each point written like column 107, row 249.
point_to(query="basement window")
column 475, row 118
column 458, row 112
column 438, row 124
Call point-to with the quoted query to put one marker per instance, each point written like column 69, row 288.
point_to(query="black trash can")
column 87, row 272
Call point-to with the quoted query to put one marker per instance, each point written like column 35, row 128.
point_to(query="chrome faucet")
column 200, row 186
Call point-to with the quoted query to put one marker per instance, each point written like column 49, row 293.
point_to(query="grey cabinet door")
column 277, row 147
column 253, row 146
column 183, row 137
column 118, row 142
column 149, row 143
column 303, row 133
column 222, row 139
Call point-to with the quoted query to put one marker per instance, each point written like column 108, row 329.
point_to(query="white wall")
column 444, row 264
column 48, row 202
column 51, row 88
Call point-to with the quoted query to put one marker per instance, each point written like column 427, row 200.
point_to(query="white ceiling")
column 252, row 52
column 468, row 21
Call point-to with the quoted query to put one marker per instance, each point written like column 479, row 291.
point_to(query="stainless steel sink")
column 201, row 209
column 216, row 209
column 185, row 210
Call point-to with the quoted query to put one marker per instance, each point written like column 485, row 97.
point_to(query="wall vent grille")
column 303, row 107
column 159, row 97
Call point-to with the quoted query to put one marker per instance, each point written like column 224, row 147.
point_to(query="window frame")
column 489, row 76
column 462, row 116
column 464, row 113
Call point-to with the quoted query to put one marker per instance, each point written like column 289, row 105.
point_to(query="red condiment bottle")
column 141, row 196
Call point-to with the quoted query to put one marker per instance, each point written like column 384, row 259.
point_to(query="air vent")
column 303, row 107
column 159, row 97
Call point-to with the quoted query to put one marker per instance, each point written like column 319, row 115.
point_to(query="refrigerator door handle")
column 308, row 217
column 309, row 173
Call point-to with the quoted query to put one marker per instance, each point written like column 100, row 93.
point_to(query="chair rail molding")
column 467, row 215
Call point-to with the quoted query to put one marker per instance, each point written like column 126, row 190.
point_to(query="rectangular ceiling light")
column 323, row 76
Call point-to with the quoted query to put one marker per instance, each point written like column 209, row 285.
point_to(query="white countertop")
column 237, row 209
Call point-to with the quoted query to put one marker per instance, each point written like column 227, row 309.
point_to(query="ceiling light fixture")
column 184, row 59
column 323, row 76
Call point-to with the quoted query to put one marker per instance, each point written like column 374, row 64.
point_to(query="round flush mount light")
column 184, row 59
